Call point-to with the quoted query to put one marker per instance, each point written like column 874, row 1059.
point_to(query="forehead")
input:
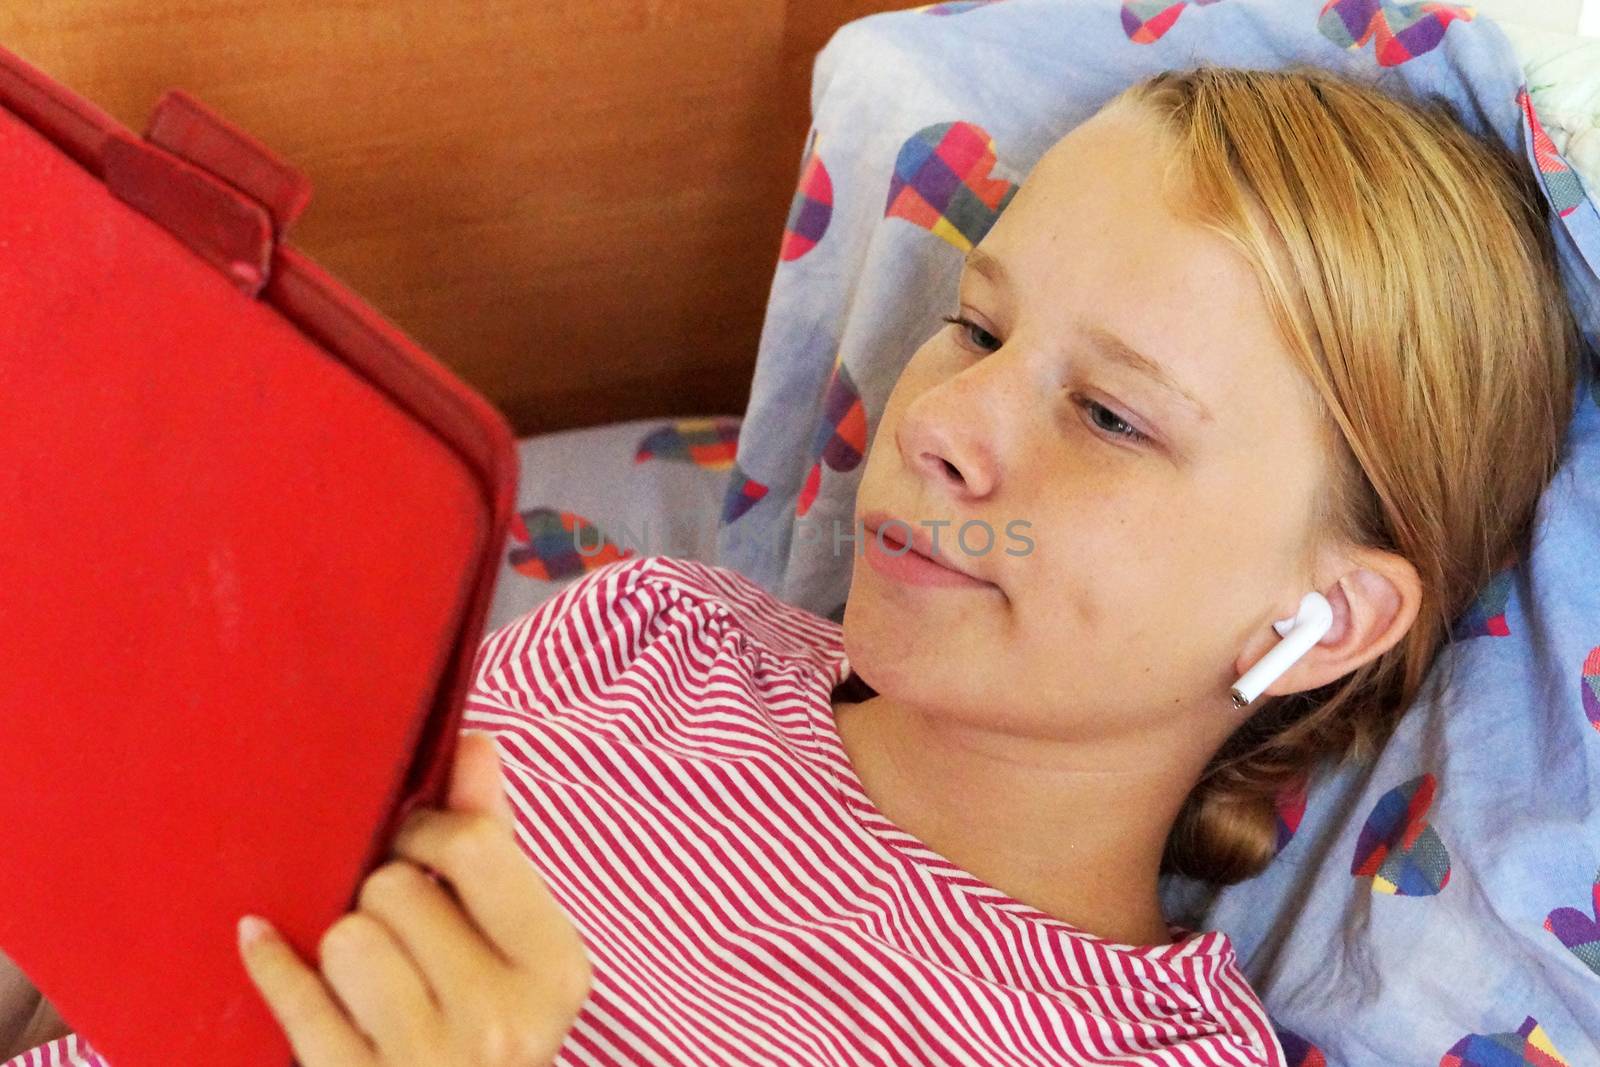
column 1099, row 208
column 1092, row 236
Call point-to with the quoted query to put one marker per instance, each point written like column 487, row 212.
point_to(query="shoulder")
column 70, row 1050
column 661, row 610
column 635, row 590
column 1244, row 1034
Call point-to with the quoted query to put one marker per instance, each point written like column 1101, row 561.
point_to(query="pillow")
column 1436, row 906
column 596, row 494
column 1563, row 75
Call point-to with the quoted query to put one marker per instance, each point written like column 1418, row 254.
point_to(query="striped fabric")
column 667, row 734
column 69, row 1051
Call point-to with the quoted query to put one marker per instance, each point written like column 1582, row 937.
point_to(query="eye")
column 970, row 326
column 1110, row 422
column 1104, row 419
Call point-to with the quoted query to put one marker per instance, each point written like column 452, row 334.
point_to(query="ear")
column 1375, row 599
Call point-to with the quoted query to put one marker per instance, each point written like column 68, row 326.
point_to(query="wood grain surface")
column 577, row 204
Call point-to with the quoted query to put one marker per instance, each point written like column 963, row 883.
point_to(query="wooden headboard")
column 576, row 204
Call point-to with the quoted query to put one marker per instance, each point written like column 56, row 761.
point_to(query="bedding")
column 590, row 496
column 1563, row 77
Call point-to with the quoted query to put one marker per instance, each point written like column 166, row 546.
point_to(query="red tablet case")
column 248, row 541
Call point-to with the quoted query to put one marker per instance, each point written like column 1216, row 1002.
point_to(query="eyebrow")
column 1108, row 344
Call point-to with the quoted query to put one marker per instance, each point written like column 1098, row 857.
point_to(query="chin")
column 895, row 654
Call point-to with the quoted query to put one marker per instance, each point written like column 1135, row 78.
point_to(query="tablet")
column 250, row 532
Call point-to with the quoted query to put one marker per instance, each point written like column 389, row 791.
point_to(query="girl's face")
column 1161, row 513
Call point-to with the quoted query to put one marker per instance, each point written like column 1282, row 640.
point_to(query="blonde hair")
column 1409, row 267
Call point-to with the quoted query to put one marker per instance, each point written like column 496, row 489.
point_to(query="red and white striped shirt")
column 667, row 734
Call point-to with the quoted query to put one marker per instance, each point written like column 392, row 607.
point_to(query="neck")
column 1073, row 828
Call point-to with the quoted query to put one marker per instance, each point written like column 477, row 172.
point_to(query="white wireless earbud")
column 1304, row 630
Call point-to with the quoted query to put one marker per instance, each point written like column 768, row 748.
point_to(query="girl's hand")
column 491, row 975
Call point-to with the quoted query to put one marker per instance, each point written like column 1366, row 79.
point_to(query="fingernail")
column 252, row 929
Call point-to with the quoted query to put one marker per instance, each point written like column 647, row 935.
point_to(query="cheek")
column 1127, row 569
column 1126, row 631
column 1164, row 587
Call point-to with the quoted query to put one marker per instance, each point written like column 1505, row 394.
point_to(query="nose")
column 943, row 439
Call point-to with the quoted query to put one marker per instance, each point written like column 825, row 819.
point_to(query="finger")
column 498, row 886
column 477, row 782
column 380, row 986
column 318, row 1030
column 453, row 954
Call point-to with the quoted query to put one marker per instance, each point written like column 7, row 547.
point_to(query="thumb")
column 476, row 782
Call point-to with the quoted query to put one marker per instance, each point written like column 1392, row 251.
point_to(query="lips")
column 920, row 539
